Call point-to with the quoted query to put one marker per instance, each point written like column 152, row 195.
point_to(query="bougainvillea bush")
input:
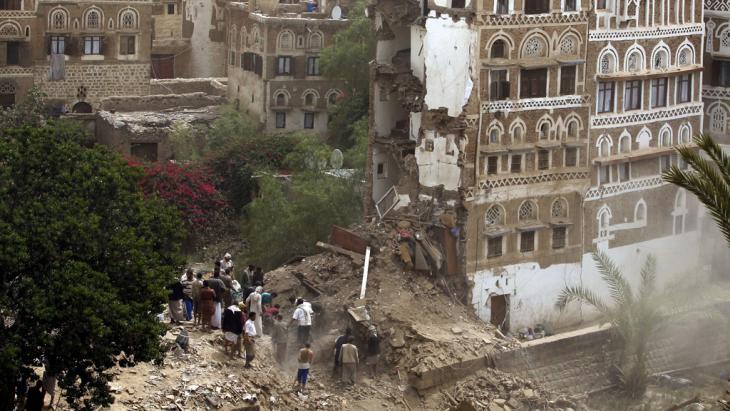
column 191, row 190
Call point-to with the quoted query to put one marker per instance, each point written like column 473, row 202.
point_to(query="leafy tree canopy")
column 85, row 259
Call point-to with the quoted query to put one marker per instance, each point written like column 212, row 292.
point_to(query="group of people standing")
column 234, row 302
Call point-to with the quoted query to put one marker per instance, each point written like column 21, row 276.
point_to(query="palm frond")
column 715, row 152
column 618, row 287
column 648, row 278
column 581, row 294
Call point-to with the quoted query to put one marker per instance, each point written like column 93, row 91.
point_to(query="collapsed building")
column 543, row 128
column 274, row 61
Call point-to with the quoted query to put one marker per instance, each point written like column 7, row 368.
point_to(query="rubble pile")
column 422, row 323
column 202, row 377
column 493, row 390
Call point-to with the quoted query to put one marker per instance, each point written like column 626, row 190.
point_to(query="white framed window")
column 128, row 20
column 92, row 45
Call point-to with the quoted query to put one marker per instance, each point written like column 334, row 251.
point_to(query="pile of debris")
column 493, row 390
column 202, row 377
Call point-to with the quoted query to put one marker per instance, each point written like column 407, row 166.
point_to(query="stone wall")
column 160, row 102
column 212, row 86
column 100, row 80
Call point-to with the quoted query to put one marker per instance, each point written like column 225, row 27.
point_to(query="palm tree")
column 709, row 179
column 635, row 315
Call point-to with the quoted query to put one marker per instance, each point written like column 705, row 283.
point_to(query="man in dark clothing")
column 217, row 269
column 176, row 296
column 338, row 347
column 258, row 277
column 373, row 349
column 228, row 282
column 35, row 397
column 21, row 390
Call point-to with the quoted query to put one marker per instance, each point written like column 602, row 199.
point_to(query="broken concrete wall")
column 437, row 157
column 159, row 102
column 448, row 53
column 207, row 57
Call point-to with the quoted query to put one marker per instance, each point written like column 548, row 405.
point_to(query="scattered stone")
column 500, row 401
column 456, row 330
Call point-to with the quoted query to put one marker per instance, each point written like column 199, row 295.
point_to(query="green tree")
column 348, row 59
column 288, row 217
column 634, row 315
column 85, row 259
column 708, row 178
column 29, row 112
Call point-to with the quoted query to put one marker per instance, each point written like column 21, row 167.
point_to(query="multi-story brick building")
column 542, row 126
column 273, row 62
column 716, row 84
column 17, row 28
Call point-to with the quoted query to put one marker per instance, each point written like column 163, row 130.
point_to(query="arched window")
column 494, row 216
column 315, row 41
column 499, row 49
column 718, row 119
column 517, row 132
column 535, row 46
column 680, row 211
column 640, row 211
column 286, row 40
column 332, row 97
column 281, row 99
column 685, row 56
column 528, row 211
column 559, row 209
column 59, row 20
column 684, row 134
column 494, row 136
column 569, row 45
column 607, row 63
column 309, row 99
column 573, row 129
column 661, row 59
column 724, row 40
column 604, row 146
column 128, row 19
column 544, row 130
column 634, row 62
column 643, row 139
column 93, row 20
column 604, row 222
column 665, row 138
column 624, row 143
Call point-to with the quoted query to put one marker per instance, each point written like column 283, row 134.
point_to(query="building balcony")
column 635, row 155
column 492, row 181
column 541, row 103
column 716, row 92
column 654, row 32
column 637, row 117
column 651, row 73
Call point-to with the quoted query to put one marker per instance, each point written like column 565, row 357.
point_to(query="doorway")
column 499, row 305
column 163, row 66
column 81, row 107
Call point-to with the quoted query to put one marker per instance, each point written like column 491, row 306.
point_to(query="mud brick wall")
column 100, row 80
column 581, row 363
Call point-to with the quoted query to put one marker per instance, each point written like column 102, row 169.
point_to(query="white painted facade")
column 533, row 290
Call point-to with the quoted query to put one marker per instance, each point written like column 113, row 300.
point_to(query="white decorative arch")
column 243, row 37
column 685, row 54
column 58, row 19
column 128, row 19
column 604, row 143
column 559, row 208
column 710, row 35
column 535, row 44
column 332, row 95
column 509, row 44
column 281, row 93
column 233, row 37
column 569, row 43
column 314, row 96
column 542, row 133
column 643, row 139
column 624, row 142
column 640, row 211
column 573, row 125
column 665, row 136
column 528, row 210
column 680, row 211
column 717, row 117
column 684, row 136
column 607, row 60
column 603, row 217
column 517, row 124
column 495, row 132
column 93, row 18
column 10, row 30
column 316, row 40
column 635, row 59
column 286, row 40
column 495, row 215
column 660, row 56
column 255, row 37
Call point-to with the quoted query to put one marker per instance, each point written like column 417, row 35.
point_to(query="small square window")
column 571, row 157
column 516, row 164
column 283, row 65
column 381, row 171
column 280, row 119
column 527, row 241
column 492, row 164
column 543, row 159
column 127, row 45
column 494, row 247
column 559, row 237
column 308, row 120
column 170, row 8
